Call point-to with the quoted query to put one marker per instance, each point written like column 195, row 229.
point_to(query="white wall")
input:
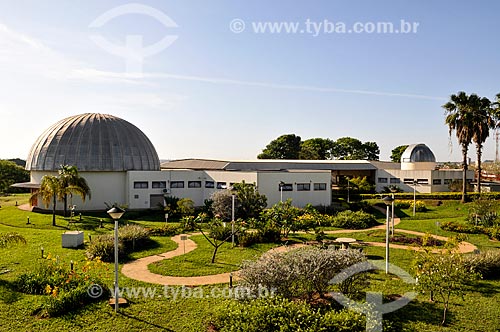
column 268, row 184
column 107, row 187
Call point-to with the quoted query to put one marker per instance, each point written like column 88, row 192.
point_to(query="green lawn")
column 198, row 261
column 478, row 311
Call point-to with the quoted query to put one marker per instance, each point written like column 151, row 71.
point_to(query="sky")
column 209, row 79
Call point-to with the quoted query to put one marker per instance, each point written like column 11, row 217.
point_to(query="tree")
column 348, row 148
column 460, row 120
column 222, row 204
column 250, row 202
column 316, row 149
column 483, row 122
column 362, row 184
column 283, row 147
column 72, row 183
column 11, row 173
column 397, row 152
column 218, row 234
column 443, row 275
column 283, row 215
column 50, row 190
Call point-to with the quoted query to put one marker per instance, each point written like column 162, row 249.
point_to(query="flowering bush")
column 353, row 220
column 66, row 290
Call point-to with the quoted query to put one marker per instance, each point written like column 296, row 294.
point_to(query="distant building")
column 121, row 166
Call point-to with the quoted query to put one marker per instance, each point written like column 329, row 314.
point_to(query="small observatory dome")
column 93, row 142
column 418, row 157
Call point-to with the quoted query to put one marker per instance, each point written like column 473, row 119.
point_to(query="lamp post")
column 116, row 213
column 392, row 215
column 281, row 190
column 388, row 201
column 348, row 199
column 233, row 196
column 414, row 196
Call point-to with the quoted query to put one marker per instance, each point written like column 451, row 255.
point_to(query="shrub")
column 103, row 246
column 246, row 239
column 35, row 282
column 133, row 235
column 483, row 212
column 419, row 206
column 188, row 224
column 353, row 220
column 487, row 263
column 461, row 228
column 11, row 238
column 165, row 230
column 277, row 314
column 402, row 204
column 299, row 272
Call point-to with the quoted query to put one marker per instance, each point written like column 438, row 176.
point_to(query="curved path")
column 138, row 269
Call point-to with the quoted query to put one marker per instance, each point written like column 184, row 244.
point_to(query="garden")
column 45, row 286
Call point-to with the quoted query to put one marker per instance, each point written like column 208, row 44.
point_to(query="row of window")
column 419, row 181
column 179, row 184
column 302, row 186
column 222, row 185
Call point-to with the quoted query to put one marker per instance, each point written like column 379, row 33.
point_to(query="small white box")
column 72, row 239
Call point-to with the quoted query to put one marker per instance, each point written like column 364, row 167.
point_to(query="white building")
column 121, row 166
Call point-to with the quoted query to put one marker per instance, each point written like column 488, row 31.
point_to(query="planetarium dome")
column 93, row 142
column 418, row 156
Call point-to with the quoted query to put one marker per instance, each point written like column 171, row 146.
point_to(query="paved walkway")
column 138, row 269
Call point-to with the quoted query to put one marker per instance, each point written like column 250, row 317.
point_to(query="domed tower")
column 418, row 157
column 103, row 148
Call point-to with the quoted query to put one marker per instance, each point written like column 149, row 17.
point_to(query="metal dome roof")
column 418, row 153
column 93, row 142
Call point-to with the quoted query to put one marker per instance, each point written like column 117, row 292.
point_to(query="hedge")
column 441, row 196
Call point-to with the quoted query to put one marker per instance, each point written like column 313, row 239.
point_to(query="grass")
column 197, row 262
column 478, row 311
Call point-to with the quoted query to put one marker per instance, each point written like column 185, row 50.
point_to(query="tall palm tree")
column 483, row 122
column 50, row 190
column 459, row 118
column 72, row 183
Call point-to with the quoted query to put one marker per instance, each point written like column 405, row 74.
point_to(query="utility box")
column 72, row 239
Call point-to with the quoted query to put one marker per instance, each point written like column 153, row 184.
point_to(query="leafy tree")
column 185, row 207
column 443, row 275
column 316, row 149
column 250, row 202
column 460, row 120
column 284, row 147
column 72, row 182
column 222, row 204
column 50, row 190
column 348, row 148
column 217, row 235
column 18, row 162
column 282, row 215
column 11, row 173
column 397, row 152
column 362, row 184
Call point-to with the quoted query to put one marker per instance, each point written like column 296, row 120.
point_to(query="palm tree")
column 50, row 190
column 483, row 122
column 72, row 183
column 459, row 118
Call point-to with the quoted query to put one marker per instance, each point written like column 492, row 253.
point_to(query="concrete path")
column 138, row 269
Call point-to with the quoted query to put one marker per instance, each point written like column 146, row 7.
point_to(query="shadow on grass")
column 8, row 293
column 146, row 322
column 485, row 288
column 420, row 311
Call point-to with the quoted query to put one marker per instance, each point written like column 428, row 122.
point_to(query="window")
column 285, row 187
column 408, row 181
column 395, row 180
column 176, row 184
column 209, row 184
column 319, row 186
column 447, row 181
column 436, row 181
column 221, row 185
column 303, row 186
column 382, row 180
column 140, row 185
column 136, row 196
column 423, row 181
column 159, row 184
column 194, row 184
